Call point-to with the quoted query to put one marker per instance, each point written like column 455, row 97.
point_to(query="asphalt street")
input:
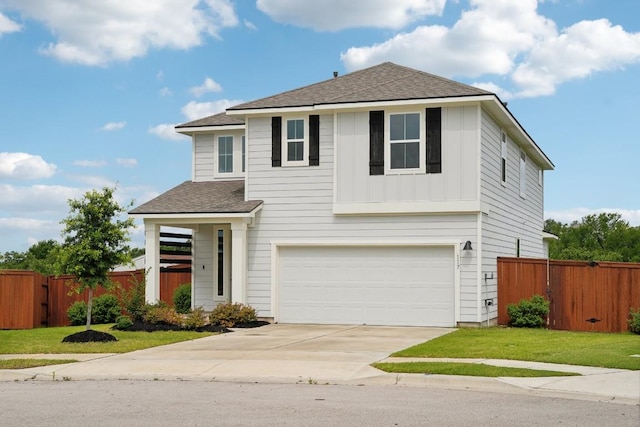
column 210, row 403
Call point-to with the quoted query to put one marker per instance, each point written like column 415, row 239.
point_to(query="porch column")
column 239, row 262
column 152, row 261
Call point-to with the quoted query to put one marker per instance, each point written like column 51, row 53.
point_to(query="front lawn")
column 49, row 340
column 537, row 345
column 32, row 363
column 467, row 369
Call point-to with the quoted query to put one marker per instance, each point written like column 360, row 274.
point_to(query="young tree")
column 95, row 241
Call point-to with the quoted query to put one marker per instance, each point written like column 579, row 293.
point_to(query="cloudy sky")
column 90, row 91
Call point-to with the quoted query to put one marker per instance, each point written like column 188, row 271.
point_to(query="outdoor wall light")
column 467, row 246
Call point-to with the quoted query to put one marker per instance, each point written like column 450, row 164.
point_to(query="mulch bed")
column 97, row 336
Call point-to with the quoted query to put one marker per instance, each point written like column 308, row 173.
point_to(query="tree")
column 41, row 257
column 95, row 241
column 602, row 237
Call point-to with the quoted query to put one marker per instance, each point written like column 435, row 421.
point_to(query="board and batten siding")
column 205, row 156
column 458, row 180
column 298, row 207
column 510, row 216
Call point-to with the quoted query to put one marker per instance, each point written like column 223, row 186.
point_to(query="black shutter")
column 314, row 140
column 376, row 143
column 276, row 141
column 434, row 140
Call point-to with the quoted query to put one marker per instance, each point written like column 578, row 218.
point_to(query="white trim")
column 479, row 261
column 393, row 242
column 335, row 158
column 382, row 208
column 201, row 218
column 246, row 166
column 422, row 144
column 193, row 158
column 549, row 236
column 216, row 154
column 523, row 174
column 504, row 155
column 207, row 129
column 285, row 142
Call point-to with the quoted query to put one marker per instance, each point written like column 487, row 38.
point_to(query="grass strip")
column 49, row 340
column 466, row 369
column 537, row 345
column 32, row 363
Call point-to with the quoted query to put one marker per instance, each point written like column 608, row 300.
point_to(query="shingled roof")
column 384, row 82
column 200, row 198
column 220, row 119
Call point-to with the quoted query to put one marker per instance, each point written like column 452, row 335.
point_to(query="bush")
column 77, row 313
column 123, row 322
column 160, row 312
column 228, row 315
column 182, row 298
column 528, row 313
column 105, row 309
column 634, row 321
column 133, row 300
column 195, row 319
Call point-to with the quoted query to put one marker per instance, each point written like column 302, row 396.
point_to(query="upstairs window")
column 243, row 153
column 225, row 154
column 503, row 161
column 295, row 140
column 404, row 141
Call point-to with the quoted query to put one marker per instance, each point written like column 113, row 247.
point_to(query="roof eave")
column 196, row 216
column 190, row 130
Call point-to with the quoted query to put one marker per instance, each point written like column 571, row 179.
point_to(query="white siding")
column 205, row 156
column 457, row 182
column 298, row 206
column 510, row 216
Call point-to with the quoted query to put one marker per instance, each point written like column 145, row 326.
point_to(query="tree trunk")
column 89, row 304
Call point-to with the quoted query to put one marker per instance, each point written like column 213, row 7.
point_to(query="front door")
column 222, row 264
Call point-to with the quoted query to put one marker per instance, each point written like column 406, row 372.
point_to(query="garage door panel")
column 396, row 285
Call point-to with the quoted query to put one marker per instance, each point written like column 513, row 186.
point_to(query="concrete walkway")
column 320, row 354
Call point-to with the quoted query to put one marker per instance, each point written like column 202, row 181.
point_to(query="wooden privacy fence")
column 583, row 296
column 30, row 300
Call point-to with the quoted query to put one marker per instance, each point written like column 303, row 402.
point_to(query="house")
column 380, row 197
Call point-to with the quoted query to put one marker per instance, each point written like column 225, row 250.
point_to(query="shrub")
column 182, row 298
column 228, row 315
column 195, row 319
column 528, row 313
column 634, row 321
column 105, row 309
column 160, row 312
column 133, row 300
column 77, row 313
column 123, row 322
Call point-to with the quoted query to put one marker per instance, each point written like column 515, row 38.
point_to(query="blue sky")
column 90, row 91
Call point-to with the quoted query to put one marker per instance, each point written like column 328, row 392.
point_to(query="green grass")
column 49, row 340
column 467, row 369
column 31, row 363
column 538, row 345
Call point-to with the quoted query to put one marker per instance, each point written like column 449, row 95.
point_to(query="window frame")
column 244, row 153
column 285, row 142
column 422, row 144
column 523, row 174
column 217, row 153
column 504, row 149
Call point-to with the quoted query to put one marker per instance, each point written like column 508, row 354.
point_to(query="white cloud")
column 197, row 110
column 209, row 85
column 632, row 216
column 334, row 15
column 111, row 126
column 165, row 91
column 160, row 75
column 510, row 40
column 8, row 26
column 36, row 198
column 90, row 163
column 126, row 162
column 250, row 25
column 98, row 33
column 166, row 131
column 25, row 166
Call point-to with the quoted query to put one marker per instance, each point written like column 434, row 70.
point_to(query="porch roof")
column 215, row 197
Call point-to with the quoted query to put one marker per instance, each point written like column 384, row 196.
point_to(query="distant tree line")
column 602, row 237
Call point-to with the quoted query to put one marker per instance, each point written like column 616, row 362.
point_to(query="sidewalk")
column 322, row 354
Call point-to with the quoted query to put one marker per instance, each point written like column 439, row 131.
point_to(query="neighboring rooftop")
column 200, row 197
column 384, row 82
column 220, row 119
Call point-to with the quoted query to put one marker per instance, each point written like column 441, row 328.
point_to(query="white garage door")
column 399, row 285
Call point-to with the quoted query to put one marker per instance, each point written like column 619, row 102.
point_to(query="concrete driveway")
column 279, row 353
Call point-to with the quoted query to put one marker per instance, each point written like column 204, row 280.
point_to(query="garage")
column 374, row 285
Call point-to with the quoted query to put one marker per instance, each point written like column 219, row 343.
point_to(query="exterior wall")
column 205, row 156
column 298, row 206
column 510, row 216
column 203, row 268
column 458, row 180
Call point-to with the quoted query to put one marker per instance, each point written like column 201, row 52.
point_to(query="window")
column 517, row 248
column 225, row 154
column 523, row 174
column 503, row 162
column 404, row 141
column 295, row 140
column 540, row 177
column 243, row 153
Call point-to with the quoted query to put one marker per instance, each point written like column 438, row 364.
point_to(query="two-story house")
column 380, row 197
